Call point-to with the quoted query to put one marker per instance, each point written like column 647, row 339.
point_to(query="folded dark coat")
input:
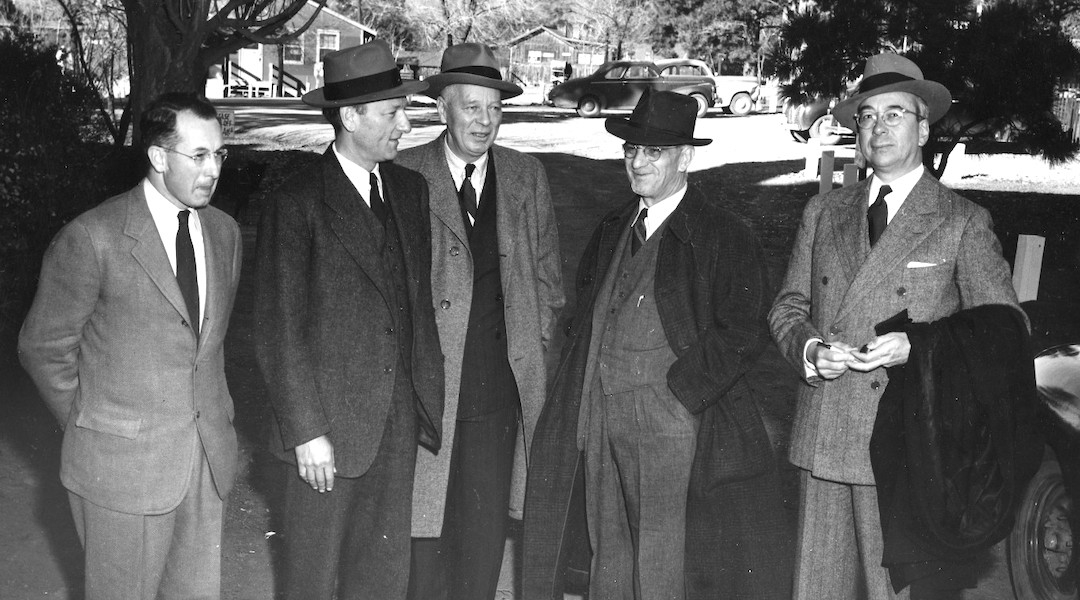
column 954, row 444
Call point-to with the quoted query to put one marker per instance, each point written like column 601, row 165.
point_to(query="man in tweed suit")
column 849, row 272
column 346, row 338
column 680, row 482
column 497, row 286
column 125, row 341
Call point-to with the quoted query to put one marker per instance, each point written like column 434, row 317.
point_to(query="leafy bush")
column 52, row 166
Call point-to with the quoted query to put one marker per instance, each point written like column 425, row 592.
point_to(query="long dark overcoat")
column 712, row 292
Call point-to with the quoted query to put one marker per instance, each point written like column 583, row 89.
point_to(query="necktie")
column 878, row 214
column 185, row 270
column 377, row 205
column 638, row 239
column 467, row 195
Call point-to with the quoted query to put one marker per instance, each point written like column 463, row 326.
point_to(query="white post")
column 1027, row 267
column 828, row 161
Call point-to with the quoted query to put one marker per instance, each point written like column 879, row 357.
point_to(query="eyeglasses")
column 891, row 117
column 201, row 157
column 652, row 153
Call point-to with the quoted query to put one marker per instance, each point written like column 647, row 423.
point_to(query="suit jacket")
column 711, row 290
column 324, row 324
column 938, row 255
column 108, row 344
column 531, row 273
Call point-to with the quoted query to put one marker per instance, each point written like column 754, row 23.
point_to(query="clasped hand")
column 834, row 359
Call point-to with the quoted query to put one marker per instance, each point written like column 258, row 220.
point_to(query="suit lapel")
column 444, row 203
column 149, row 252
column 217, row 275
column 920, row 214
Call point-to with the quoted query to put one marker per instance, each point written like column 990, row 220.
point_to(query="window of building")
column 329, row 40
column 294, row 51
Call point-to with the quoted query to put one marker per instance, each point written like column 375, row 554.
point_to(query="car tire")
column 830, row 139
column 741, row 104
column 588, row 107
column 800, row 136
column 702, row 104
column 1040, row 547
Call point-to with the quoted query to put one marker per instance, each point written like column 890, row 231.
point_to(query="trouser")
column 464, row 563
column 176, row 555
column 352, row 543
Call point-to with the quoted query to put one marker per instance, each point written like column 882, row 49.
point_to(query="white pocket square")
column 920, row 265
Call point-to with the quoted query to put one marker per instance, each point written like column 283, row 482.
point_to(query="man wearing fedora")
column 346, row 340
column 496, row 281
column 896, row 241
column 651, row 408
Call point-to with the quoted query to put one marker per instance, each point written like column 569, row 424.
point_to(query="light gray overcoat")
column 938, row 255
column 531, row 272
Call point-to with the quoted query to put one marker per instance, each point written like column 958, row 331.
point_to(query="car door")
column 636, row 80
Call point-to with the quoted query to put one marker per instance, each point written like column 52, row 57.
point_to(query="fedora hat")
column 890, row 72
column 659, row 119
column 474, row 64
column 361, row 74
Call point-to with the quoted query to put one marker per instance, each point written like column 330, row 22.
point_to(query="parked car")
column 619, row 84
column 736, row 95
column 811, row 119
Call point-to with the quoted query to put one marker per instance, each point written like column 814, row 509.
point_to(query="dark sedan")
column 620, row 84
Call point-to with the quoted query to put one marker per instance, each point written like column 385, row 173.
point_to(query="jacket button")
column 445, row 304
column 835, row 330
column 389, row 331
column 388, row 369
column 454, row 251
column 197, row 414
column 825, row 280
column 498, row 298
column 900, row 291
column 875, row 385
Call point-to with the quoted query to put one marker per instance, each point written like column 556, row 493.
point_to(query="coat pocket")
column 109, row 420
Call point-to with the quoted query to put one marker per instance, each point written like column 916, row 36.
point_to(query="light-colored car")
column 619, row 84
column 736, row 95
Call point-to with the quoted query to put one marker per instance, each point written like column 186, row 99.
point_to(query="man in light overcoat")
column 497, row 289
column 863, row 254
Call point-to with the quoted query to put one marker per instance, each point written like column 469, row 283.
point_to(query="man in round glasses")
column 897, row 241
column 681, row 492
column 125, row 343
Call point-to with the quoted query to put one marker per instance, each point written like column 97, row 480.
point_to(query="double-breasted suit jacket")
column 326, row 341
column 531, row 275
column 711, row 291
column 938, row 255
column 109, row 347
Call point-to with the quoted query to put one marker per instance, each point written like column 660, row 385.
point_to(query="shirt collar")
column 163, row 211
column 457, row 166
column 659, row 212
column 901, row 187
column 359, row 176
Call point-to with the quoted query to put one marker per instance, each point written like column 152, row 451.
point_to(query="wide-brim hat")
column 473, row 64
column 659, row 119
column 361, row 74
column 890, row 72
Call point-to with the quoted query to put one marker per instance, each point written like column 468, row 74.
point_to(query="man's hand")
column 315, row 463
column 830, row 360
column 887, row 350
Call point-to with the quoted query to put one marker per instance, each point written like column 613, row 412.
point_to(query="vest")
column 487, row 382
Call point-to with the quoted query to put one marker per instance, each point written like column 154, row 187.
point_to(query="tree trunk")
column 163, row 58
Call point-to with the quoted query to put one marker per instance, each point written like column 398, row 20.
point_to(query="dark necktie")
column 467, row 195
column 377, row 205
column 185, row 270
column 638, row 239
column 878, row 214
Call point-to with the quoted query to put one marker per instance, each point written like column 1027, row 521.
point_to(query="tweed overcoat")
column 531, row 273
column 711, row 290
column 938, row 255
column 324, row 326
column 107, row 343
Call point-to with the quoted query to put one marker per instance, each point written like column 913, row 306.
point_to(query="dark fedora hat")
column 891, row 72
column 474, row 64
column 361, row 74
column 659, row 119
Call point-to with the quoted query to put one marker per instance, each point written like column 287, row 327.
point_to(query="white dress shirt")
column 165, row 218
column 457, row 171
column 659, row 212
column 361, row 177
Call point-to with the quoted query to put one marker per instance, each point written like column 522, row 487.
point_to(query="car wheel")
column 1040, row 547
column 588, row 107
column 800, row 136
column 741, row 104
column 825, row 139
column 702, row 104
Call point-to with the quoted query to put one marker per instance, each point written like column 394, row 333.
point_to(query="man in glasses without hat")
column 651, row 410
column 897, row 241
column 345, row 338
column 125, row 341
